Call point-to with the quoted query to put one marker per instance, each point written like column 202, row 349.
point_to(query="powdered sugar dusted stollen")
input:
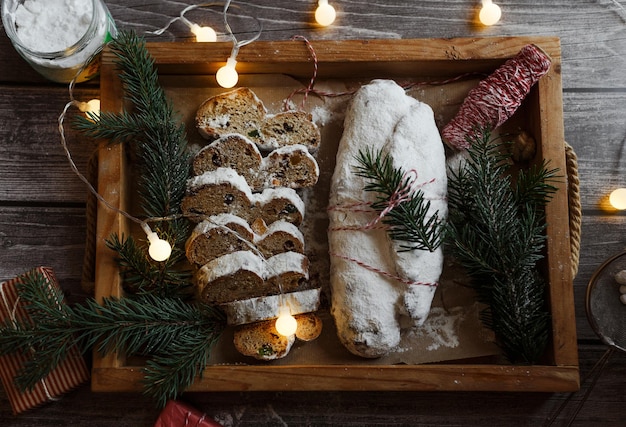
column 241, row 111
column 372, row 299
column 288, row 128
column 235, row 111
column 217, row 236
column 225, row 191
column 232, row 150
column 244, row 274
column 290, row 166
column 268, row 307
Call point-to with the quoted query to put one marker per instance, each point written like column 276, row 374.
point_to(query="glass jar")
column 60, row 39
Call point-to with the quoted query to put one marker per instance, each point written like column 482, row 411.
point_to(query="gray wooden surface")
column 42, row 206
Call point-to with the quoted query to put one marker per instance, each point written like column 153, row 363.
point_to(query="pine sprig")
column 159, row 328
column 157, row 137
column 141, row 276
column 497, row 232
column 408, row 222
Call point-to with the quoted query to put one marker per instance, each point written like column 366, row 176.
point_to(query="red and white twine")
column 404, row 192
column 497, row 97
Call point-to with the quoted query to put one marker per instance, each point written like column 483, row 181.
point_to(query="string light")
column 90, row 108
column 202, row 33
column 325, row 14
column 490, row 13
column 159, row 249
column 286, row 324
column 227, row 75
column 618, row 199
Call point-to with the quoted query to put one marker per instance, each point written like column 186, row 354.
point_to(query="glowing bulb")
column 227, row 75
column 92, row 106
column 159, row 249
column 490, row 13
column 286, row 324
column 204, row 34
column 325, row 13
column 618, row 199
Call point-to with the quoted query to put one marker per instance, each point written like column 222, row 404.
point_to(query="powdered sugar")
column 369, row 307
column 53, row 25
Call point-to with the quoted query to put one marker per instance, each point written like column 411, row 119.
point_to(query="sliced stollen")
column 217, row 236
column 225, row 191
column 230, row 277
column 262, row 341
column 274, row 204
column 268, row 307
column 291, row 166
column 289, row 128
column 216, row 192
column 236, row 111
column 286, row 272
column 232, row 150
column 280, row 236
column 243, row 275
column 309, row 326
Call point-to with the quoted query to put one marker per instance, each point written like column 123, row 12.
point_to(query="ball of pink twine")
column 497, row 97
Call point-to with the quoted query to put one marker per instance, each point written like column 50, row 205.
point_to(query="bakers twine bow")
column 497, row 97
column 404, row 192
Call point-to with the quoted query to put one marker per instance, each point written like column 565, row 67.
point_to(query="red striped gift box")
column 69, row 374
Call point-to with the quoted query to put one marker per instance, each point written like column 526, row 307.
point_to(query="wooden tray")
column 435, row 59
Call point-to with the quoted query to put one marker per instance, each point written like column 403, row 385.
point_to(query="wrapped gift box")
column 70, row 373
column 178, row 414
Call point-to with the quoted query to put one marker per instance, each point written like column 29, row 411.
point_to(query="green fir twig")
column 157, row 137
column 409, row 222
column 177, row 337
column 497, row 231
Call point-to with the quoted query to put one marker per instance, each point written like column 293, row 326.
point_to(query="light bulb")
column 286, row 324
column 227, row 76
column 618, row 199
column 159, row 249
column 325, row 14
column 204, row 34
column 490, row 13
column 92, row 106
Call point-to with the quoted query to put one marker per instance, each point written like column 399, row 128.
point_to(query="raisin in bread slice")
column 289, row 128
column 236, row 111
column 217, row 236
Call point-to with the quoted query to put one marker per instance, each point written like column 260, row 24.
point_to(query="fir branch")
column 157, row 137
column 409, row 222
column 160, row 328
column 141, row 276
column 115, row 127
column 496, row 230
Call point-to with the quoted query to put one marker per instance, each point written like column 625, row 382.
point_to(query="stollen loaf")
column 378, row 290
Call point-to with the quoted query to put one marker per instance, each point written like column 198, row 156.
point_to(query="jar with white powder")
column 60, row 39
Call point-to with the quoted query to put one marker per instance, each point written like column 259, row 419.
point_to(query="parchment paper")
column 453, row 330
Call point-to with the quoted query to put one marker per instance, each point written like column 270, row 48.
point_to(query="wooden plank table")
column 42, row 207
